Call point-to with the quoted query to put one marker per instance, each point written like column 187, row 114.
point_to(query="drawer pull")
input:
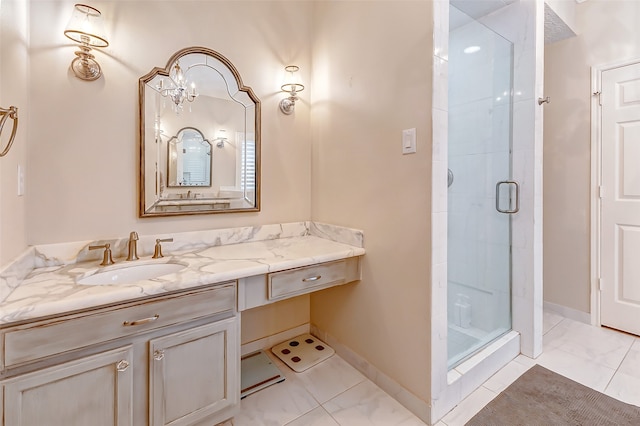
column 122, row 365
column 158, row 355
column 316, row 278
column 141, row 321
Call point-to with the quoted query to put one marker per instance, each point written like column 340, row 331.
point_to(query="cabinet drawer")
column 47, row 338
column 281, row 285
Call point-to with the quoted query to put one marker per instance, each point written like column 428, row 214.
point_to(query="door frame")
column 596, row 180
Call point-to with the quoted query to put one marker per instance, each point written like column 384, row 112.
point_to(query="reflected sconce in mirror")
column 86, row 27
column 5, row 114
column 179, row 92
column 292, row 87
column 221, row 138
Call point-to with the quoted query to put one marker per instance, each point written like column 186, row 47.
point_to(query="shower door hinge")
column 599, row 284
column 600, row 191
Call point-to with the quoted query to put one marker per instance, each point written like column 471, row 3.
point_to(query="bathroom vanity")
column 157, row 351
column 173, row 357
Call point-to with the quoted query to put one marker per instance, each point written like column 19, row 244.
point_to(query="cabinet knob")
column 158, row 355
column 122, row 365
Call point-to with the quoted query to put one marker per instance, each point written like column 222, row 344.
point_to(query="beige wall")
column 82, row 156
column 607, row 33
column 372, row 78
column 265, row 320
column 14, row 62
column 83, row 142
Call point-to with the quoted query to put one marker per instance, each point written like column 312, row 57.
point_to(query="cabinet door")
column 96, row 390
column 194, row 374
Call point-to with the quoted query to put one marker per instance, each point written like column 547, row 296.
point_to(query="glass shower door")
column 479, row 206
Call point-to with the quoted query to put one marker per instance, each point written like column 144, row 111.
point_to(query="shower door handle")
column 509, row 210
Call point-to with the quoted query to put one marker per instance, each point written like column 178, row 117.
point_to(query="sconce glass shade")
column 86, row 27
column 291, row 86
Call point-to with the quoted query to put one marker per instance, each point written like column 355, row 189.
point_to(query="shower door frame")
column 526, row 24
column 487, row 245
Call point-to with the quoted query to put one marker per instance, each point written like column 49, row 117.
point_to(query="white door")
column 620, row 231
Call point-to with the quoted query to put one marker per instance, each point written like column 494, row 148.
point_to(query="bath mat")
column 302, row 352
column 257, row 372
column 542, row 397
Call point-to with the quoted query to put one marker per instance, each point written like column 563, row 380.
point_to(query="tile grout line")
column 618, row 367
column 554, row 326
column 320, row 404
column 330, row 415
column 301, row 415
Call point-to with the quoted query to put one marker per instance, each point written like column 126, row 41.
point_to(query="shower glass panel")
column 479, row 237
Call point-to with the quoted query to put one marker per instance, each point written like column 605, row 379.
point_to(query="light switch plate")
column 409, row 141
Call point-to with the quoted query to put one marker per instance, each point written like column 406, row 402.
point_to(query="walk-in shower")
column 482, row 195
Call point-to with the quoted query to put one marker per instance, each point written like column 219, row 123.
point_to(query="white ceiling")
column 479, row 8
column 555, row 29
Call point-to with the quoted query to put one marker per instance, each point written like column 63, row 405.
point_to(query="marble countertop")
column 50, row 287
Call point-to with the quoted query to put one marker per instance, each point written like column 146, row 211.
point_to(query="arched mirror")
column 188, row 159
column 199, row 138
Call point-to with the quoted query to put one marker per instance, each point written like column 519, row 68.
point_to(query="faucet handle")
column 106, row 259
column 157, row 252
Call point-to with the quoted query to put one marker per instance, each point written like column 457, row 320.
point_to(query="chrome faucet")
column 133, row 246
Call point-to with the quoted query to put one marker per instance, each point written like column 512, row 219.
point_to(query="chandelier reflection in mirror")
column 179, row 92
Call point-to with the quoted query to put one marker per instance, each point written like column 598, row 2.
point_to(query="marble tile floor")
column 602, row 359
column 333, row 393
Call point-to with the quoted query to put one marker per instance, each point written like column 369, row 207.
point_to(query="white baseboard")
column 414, row 404
column 567, row 312
column 270, row 341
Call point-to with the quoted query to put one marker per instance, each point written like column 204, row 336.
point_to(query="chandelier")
column 178, row 92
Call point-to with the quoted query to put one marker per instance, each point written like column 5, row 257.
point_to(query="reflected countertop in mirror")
column 199, row 138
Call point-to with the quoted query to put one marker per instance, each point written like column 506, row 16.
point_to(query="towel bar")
column 12, row 113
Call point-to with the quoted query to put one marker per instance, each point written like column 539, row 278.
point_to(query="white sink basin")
column 130, row 273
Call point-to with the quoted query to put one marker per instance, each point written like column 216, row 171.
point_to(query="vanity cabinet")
column 261, row 290
column 191, row 374
column 171, row 359
column 95, row 390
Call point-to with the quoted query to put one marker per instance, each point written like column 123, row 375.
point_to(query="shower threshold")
column 465, row 343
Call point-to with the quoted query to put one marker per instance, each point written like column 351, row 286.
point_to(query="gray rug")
column 542, row 397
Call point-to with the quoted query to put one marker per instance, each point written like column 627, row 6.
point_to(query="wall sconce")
column 86, row 27
column 221, row 138
column 292, row 86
